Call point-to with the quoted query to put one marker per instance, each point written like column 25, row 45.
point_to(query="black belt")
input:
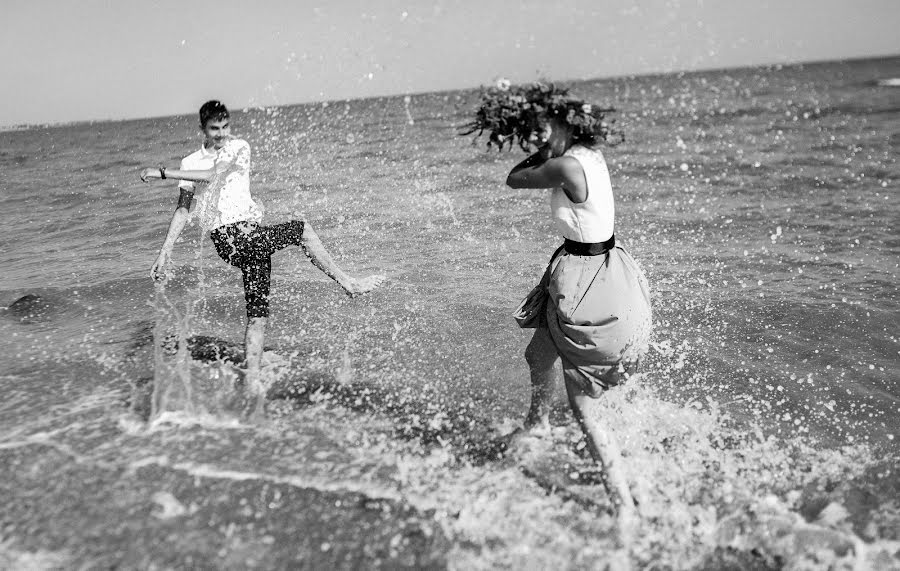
column 584, row 249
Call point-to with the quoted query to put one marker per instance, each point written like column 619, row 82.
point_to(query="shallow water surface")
column 762, row 433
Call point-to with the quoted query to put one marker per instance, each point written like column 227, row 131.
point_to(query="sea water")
column 763, row 432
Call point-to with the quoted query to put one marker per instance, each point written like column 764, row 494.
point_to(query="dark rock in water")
column 207, row 348
column 28, row 307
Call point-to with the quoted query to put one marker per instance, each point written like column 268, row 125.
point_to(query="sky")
column 62, row 60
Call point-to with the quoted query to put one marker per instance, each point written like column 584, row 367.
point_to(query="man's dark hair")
column 213, row 110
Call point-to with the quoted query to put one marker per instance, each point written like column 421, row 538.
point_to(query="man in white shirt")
column 227, row 211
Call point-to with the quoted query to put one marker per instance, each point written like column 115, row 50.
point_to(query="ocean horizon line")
column 568, row 81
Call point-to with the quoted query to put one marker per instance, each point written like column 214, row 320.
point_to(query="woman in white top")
column 592, row 310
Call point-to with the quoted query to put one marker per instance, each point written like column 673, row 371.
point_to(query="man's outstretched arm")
column 162, row 173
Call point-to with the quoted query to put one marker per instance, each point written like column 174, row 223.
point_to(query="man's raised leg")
column 321, row 259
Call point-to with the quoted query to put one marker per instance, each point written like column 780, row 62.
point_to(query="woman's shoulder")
column 587, row 154
column 584, row 150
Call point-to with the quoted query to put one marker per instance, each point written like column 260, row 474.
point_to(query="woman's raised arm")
column 560, row 172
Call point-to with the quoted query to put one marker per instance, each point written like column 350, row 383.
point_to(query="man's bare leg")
column 606, row 452
column 321, row 259
column 253, row 349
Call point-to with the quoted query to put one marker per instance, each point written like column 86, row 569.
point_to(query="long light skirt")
column 599, row 316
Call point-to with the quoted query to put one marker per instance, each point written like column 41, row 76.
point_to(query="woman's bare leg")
column 321, row 259
column 606, row 452
column 543, row 361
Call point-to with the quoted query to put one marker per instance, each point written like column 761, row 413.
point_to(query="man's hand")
column 158, row 269
column 149, row 173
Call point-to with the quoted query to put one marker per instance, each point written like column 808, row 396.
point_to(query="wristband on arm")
column 162, row 173
column 185, row 197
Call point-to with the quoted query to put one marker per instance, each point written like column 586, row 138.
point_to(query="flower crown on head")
column 513, row 114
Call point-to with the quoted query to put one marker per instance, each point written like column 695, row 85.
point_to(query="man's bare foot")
column 360, row 286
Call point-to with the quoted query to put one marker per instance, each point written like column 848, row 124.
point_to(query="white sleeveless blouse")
column 593, row 220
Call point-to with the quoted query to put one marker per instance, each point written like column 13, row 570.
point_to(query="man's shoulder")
column 194, row 158
column 236, row 144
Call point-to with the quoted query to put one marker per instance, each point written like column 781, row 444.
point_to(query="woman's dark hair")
column 213, row 110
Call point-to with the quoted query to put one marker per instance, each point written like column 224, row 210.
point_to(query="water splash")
column 172, row 387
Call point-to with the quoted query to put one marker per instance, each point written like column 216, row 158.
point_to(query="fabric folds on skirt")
column 599, row 316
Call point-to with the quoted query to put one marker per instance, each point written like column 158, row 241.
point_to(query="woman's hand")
column 534, row 160
column 149, row 173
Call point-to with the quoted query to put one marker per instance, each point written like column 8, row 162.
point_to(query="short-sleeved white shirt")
column 227, row 199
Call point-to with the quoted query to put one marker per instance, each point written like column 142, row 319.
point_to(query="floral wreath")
column 512, row 114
